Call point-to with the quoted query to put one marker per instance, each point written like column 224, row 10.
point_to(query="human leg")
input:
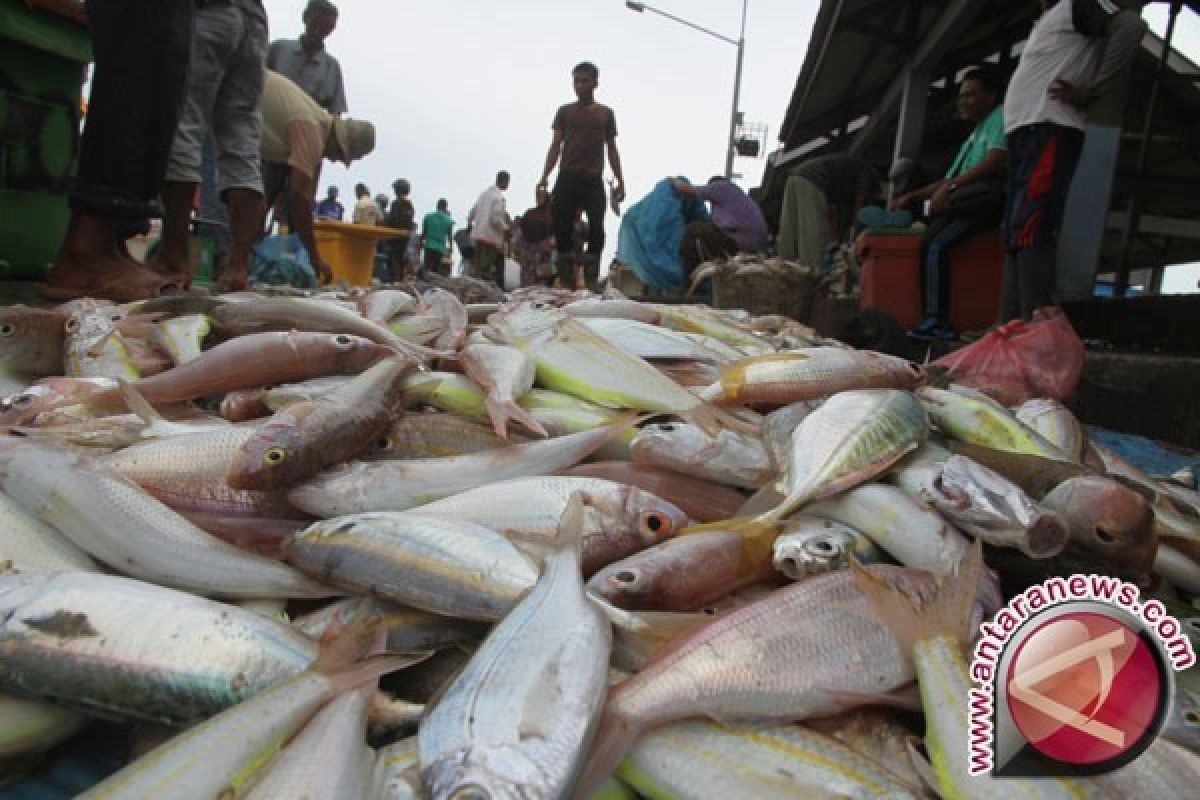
column 803, row 222
column 137, row 84
column 564, row 204
column 1046, row 158
column 595, row 206
column 237, row 129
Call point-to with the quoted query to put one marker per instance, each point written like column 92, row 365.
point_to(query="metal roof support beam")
column 911, row 126
column 953, row 22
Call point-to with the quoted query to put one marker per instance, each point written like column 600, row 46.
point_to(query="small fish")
column 985, row 504
column 686, row 573
column 302, row 439
column 32, row 340
column 450, row 567
column 728, row 457
column 1107, row 518
column 810, row 545
column 506, row 374
column 850, row 439
column 517, row 721
column 182, row 337
column 813, row 373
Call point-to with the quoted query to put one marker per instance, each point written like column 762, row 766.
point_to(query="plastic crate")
column 41, row 72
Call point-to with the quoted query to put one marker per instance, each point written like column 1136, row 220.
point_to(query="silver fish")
column 517, row 721
column 810, row 545
column 119, row 646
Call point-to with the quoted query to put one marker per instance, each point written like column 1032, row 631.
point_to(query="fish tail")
column 947, row 612
column 614, row 738
column 501, row 411
column 712, row 419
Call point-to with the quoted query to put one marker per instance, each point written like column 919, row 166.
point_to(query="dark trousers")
column 433, row 262
column 141, row 52
column 1041, row 163
column 572, row 193
column 703, row 241
column 945, row 231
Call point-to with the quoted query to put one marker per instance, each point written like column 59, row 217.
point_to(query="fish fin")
column 139, row 405
column 390, row 713
column 615, row 736
column 711, row 420
column 921, row 766
column 501, row 411
column 372, row 667
column 906, row 698
column 946, row 613
column 571, row 524
column 765, row 499
column 643, row 633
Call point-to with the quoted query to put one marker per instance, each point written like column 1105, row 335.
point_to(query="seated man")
column 298, row 133
column 970, row 198
column 737, row 224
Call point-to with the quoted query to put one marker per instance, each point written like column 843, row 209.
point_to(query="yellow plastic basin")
column 350, row 249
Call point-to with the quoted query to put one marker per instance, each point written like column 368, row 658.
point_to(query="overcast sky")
column 459, row 89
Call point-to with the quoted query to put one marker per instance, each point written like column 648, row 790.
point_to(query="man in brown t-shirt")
column 582, row 132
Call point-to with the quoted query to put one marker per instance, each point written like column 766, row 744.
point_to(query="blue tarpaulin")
column 651, row 232
column 1146, row 454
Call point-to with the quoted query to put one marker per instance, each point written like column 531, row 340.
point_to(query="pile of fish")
column 388, row 545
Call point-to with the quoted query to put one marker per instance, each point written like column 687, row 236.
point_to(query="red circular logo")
column 1084, row 688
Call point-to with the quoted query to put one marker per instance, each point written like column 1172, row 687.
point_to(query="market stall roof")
column 847, row 98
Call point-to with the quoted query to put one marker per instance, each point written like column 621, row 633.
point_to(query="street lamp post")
column 739, row 43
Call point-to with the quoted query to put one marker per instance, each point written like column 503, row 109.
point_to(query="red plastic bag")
column 1020, row 360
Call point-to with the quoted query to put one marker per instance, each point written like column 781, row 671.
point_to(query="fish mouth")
column 1047, row 537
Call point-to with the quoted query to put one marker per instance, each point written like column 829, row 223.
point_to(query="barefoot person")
column 140, row 49
column 224, row 93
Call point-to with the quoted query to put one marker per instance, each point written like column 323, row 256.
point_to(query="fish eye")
column 824, row 546
column 383, row 443
column 72, row 324
column 1104, row 537
column 656, row 523
column 7, row 329
column 342, row 339
column 625, row 576
column 1192, row 717
column 275, row 456
column 22, row 400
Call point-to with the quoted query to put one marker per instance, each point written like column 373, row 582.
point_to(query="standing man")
column 583, row 131
column 331, row 207
column 225, row 83
column 400, row 215
column 737, row 224
column 297, row 134
column 490, row 226
column 436, row 230
column 139, row 81
column 1075, row 49
column 306, row 61
column 820, row 200
column 366, row 210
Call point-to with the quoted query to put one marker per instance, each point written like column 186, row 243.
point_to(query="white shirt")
column 1055, row 50
column 488, row 218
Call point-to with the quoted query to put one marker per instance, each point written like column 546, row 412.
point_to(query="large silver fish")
column 118, row 646
column 517, row 721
